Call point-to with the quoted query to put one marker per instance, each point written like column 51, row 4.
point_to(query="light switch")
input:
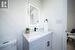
column 3, row 3
column 59, row 21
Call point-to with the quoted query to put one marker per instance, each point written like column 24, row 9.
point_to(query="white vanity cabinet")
column 41, row 43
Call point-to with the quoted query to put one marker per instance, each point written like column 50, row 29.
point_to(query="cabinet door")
column 43, row 43
column 37, row 44
column 38, row 47
column 47, row 42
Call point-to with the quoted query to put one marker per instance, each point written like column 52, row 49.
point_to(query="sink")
column 34, row 35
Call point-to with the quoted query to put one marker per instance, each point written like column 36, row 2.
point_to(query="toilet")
column 8, row 45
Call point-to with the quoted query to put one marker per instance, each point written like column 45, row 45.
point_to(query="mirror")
column 34, row 15
column 33, row 11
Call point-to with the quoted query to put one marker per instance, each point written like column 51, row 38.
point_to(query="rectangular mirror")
column 34, row 14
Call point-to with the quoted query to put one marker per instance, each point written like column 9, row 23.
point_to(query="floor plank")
column 70, row 45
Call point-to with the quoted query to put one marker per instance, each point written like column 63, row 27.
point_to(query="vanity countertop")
column 35, row 35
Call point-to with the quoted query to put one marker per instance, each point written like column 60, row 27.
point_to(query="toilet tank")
column 8, row 45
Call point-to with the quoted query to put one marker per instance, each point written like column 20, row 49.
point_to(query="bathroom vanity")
column 39, row 38
column 38, row 41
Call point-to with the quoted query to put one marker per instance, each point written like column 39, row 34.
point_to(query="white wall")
column 71, row 15
column 56, row 12
column 13, row 20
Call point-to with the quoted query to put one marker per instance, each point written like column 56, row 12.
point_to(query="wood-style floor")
column 70, row 45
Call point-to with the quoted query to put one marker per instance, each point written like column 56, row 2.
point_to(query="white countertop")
column 35, row 35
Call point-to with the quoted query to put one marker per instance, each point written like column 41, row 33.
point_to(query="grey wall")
column 71, row 15
column 13, row 20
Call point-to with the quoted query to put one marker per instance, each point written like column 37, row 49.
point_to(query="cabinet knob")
column 48, row 43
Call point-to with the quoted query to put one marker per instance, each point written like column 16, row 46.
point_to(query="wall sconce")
column 3, row 3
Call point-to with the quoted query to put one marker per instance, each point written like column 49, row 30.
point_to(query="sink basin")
column 34, row 35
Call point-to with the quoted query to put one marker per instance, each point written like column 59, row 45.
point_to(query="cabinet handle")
column 48, row 43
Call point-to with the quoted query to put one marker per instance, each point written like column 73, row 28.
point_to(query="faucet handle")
column 35, row 29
